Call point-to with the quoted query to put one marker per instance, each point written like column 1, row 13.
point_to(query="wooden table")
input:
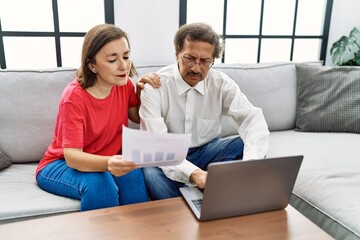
column 165, row 219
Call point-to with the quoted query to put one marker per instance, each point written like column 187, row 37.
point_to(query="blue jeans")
column 94, row 189
column 217, row 150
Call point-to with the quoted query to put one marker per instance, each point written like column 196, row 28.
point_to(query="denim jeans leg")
column 94, row 189
column 132, row 188
column 217, row 150
column 160, row 186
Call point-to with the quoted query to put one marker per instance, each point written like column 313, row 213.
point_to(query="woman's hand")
column 117, row 166
column 151, row 78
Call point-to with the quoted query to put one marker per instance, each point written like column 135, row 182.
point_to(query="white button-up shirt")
column 177, row 107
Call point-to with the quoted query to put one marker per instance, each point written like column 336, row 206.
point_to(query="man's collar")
column 183, row 87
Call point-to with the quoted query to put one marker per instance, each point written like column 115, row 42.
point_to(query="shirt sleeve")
column 152, row 120
column 71, row 126
column 248, row 120
column 181, row 172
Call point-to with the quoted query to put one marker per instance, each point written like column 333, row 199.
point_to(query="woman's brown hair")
column 96, row 38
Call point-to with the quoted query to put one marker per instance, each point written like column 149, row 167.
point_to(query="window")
column 265, row 30
column 50, row 31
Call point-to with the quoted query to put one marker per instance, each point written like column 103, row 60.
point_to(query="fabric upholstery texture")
column 326, row 191
column 328, row 99
column 329, row 177
column 21, row 197
column 4, row 161
column 27, row 129
column 270, row 87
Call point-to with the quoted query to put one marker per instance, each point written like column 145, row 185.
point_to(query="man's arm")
column 248, row 120
column 151, row 119
column 154, row 80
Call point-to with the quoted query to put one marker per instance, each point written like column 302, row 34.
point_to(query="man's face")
column 195, row 60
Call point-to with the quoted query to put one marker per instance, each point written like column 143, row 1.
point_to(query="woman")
column 83, row 160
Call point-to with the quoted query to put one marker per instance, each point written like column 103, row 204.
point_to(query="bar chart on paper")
column 149, row 157
column 154, row 149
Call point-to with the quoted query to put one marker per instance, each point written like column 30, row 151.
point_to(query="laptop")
column 236, row 188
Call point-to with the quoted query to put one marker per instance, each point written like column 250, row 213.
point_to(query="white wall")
column 345, row 16
column 151, row 26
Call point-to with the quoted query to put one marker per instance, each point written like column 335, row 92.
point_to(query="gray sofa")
column 303, row 117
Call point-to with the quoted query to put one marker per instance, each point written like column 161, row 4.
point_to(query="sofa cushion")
column 4, row 160
column 328, row 99
column 327, row 189
column 29, row 102
column 21, row 197
column 269, row 86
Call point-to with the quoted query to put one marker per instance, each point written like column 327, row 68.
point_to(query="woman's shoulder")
column 72, row 90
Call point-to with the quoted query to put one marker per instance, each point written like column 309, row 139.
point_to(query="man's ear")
column 177, row 57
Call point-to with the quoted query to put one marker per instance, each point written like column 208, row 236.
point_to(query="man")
column 192, row 99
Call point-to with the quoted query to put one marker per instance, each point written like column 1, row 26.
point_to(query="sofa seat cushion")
column 327, row 189
column 21, row 198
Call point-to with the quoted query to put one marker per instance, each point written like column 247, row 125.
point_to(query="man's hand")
column 199, row 178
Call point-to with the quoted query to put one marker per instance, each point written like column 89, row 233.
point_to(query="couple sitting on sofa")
column 84, row 160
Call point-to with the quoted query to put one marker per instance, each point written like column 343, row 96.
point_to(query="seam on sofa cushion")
column 49, row 70
column 324, row 216
column 262, row 65
column 150, row 66
column 40, row 214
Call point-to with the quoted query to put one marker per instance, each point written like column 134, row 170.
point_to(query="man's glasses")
column 191, row 62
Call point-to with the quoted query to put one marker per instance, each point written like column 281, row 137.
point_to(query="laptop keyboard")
column 197, row 203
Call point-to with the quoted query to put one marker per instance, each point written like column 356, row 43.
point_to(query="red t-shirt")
column 94, row 125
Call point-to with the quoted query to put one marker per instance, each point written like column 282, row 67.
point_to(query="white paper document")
column 154, row 149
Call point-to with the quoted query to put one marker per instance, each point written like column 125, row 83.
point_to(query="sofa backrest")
column 269, row 86
column 29, row 102
column 28, row 105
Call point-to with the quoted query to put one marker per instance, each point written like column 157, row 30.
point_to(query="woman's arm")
column 86, row 162
column 134, row 114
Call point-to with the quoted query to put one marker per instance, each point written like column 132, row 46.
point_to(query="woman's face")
column 112, row 63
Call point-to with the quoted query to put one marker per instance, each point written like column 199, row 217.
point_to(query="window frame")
column 57, row 34
column 324, row 37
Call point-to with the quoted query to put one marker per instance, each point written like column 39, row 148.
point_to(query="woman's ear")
column 92, row 67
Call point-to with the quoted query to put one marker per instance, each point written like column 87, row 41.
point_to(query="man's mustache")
column 194, row 74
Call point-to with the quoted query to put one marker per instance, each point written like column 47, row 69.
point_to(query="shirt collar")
column 183, row 87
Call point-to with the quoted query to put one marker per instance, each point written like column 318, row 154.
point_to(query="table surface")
column 164, row 219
